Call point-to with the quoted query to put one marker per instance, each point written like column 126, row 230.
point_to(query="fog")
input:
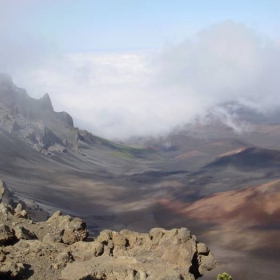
column 148, row 92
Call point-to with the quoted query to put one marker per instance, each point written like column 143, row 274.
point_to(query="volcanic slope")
column 62, row 166
column 45, row 158
column 242, row 227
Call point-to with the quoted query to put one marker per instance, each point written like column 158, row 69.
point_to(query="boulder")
column 6, row 210
column 159, row 254
column 67, row 229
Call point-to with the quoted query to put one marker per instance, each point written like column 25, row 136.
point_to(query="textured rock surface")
column 59, row 249
column 65, row 117
column 2, row 189
column 159, row 254
column 32, row 121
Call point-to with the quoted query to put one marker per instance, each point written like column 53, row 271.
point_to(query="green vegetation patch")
column 126, row 151
column 224, row 276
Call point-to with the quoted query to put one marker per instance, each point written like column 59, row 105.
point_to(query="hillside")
column 246, row 220
column 251, row 158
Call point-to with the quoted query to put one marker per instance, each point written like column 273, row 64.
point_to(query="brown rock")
column 202, row 248
column 66, row 228
column 54, row 237
column 18, row 208
column 7, row 235
column 62, row 259
column 159, row 254
column 10, row 269
column 82, row 251
column 23, row 233
column 2, row 189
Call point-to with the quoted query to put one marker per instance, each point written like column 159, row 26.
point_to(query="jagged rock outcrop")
column 65, row 117
column 26, row 122
column 32, row 120
column 5, row 80
column 46, row 102
column 43, row 137
column 59, row 249
column 15, row 126
column 10, row 95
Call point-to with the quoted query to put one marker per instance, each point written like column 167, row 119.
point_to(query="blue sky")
column 88, row 25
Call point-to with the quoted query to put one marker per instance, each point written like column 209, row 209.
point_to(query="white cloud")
column 120, row 94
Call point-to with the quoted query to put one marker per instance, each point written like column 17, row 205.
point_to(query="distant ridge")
column 252, row 157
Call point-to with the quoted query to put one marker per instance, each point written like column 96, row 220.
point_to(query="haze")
column 136, row 68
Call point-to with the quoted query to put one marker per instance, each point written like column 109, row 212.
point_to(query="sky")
column 125, row 68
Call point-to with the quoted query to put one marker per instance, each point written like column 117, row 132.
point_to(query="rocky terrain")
column 35, row 123
column 59, row 248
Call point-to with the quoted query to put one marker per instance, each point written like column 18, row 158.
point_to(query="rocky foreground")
column 60, row 248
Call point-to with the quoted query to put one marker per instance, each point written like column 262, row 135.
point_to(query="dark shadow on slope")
column 249, row 159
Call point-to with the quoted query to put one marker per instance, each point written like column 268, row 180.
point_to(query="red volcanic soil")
column 252, row 206
column 241, row 227
column 248, row 218
column 235, row 151
column 190, row 155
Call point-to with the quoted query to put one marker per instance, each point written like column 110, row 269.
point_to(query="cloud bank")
column 123, row 94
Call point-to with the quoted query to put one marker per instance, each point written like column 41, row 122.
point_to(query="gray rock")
column 15, row 127
column 65, row 117
column 46, row 103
